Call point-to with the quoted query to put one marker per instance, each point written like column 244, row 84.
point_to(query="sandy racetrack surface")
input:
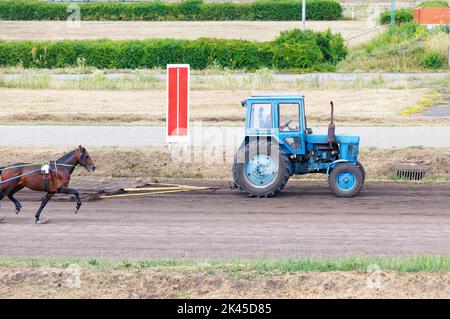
column 305, row 220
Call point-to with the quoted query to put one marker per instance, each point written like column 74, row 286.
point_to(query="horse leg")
column 15, row 201
column 44, row 202
column 2, row 219
column 72, row 191
column 3, row 194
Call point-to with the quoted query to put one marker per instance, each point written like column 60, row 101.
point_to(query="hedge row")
column 291, row 50
column 401, row 16
column 190, row 10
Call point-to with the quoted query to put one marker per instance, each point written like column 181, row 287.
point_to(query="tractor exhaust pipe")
column 332, row 112
column 331, row 126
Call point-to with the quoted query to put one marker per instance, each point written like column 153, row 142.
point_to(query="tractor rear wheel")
column 363, row 171
column 261, row 169
column 346, row 180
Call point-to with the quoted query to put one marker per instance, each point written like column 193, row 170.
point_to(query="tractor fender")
column 268, row 138
column 251, row 138
column 334, row 163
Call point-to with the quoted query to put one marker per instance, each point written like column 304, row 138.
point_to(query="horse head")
column 84, row 159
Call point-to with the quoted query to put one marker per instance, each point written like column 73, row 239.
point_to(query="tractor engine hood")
column 323, row 139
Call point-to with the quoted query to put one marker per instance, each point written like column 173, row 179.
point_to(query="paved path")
column 139, row 136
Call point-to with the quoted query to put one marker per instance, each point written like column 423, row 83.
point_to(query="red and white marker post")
column 177, row 103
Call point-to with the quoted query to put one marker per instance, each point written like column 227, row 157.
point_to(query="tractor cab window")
column 261, row 116
column 289, row 117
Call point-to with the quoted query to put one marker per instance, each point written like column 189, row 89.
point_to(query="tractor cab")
column 280, row 117
column 279, row 144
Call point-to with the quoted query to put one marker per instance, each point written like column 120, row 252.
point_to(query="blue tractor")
column 279, row 144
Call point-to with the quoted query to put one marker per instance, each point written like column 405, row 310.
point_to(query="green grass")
column 257, row 266
column 93, row 262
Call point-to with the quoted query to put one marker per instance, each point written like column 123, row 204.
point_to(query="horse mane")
column 66, row 156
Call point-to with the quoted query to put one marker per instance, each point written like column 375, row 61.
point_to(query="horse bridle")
column 83, row 158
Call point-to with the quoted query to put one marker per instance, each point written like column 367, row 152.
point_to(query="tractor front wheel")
column 261, row 169
column 361, row 167
column 346, row 180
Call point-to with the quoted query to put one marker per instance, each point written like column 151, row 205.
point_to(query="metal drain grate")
column 412, row 172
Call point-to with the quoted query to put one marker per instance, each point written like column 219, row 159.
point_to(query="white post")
column 303, row 14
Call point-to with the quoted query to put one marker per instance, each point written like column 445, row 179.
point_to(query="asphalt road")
column 139, row 136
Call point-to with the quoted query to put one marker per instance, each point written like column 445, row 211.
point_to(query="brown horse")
column 56, row 180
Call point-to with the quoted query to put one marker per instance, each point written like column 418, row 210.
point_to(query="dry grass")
column 160, row 163
column 247, row 30
column 439, row 43
column 379, row 162
column 191, row 282
column 221, row 107
column 212, row 78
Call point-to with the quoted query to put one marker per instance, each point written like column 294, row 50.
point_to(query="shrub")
column 189, row 10
column 401, row 16
column 432, row 60
column 330, row 46
column 291, row 50
column 298, row 55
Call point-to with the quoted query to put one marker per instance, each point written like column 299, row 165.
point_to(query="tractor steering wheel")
column 286, row 125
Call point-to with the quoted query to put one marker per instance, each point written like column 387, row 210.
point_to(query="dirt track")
column 306, row 219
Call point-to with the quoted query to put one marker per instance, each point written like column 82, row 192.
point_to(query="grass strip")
column 422, row 263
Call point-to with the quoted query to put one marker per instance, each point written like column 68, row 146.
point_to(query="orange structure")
column 432, row 15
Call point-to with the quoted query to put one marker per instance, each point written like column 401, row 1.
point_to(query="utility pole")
column 303, row 15
column 392, row 11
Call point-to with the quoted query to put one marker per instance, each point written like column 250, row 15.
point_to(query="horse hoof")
column 76, row 211
column 41, row 221
column 17, row 211
column 2, row 220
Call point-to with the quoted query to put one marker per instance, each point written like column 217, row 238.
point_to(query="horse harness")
column 45, row 169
